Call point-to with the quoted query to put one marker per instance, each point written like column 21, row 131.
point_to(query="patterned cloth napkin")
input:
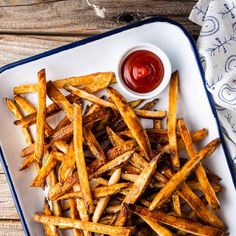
column 217, row 49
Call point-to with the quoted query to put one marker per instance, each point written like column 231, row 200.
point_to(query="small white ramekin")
column 167, row 71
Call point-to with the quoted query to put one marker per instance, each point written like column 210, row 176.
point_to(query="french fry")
column 172, row 134
column 98, row 80
column 16, row 112
column 115, row 163
column 74, row 215
column 132, row 122
column 62, row 146
column 41, row 116
column 206, row 187
column 52, row 109
column 176, row 204
column 95, row 149
column 158, row 228
column 149, row 105
column 79, row 158
column 49, row 230
column 49, row 164
column 29, row 108
column 30, row 149
column 181, row 223
column 64, row 122
column 78, row 224
column 113, row 137
column 181, row 175
column 27, row 162
column 56, row 96
column 68, row 164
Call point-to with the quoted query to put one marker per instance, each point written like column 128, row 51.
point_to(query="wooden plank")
column 76, row 17
column 11, row 228
column 16, row 47
column 7, row 209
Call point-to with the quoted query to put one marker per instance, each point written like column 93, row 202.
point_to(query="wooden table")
column 29, row 27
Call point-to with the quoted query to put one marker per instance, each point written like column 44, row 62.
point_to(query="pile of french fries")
column 108, row 175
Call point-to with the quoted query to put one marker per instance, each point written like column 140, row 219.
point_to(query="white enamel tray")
column 100, row 53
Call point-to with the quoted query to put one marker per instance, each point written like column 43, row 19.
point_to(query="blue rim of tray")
column 97, row 37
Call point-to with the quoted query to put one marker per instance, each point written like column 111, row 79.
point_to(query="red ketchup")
column 142, row 71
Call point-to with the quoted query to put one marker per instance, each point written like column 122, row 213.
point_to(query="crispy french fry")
column 207, row 189
column 68, row 164
column 16, row 112
column 176, row 204
column 78, row 224
column 30, row 149
column 74, row 215
column 49, row 230
column 56, row 96
column 115, row 163
column 149, row 105
column 184, row 224
column 62, row 146
column 95, row 149
column 132, row 121
column 158, row 228
column 79, row 158
column 49, row 164
column 181, row 175
column 98, row 80
column 27, row 162
column 64, row 122
column 41, row 116
column 113, row 137
column 29, row 108
column 172, row 134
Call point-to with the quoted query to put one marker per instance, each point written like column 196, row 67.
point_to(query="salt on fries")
column 111, row 174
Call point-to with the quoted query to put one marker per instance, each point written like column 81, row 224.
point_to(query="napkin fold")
column 217, row 49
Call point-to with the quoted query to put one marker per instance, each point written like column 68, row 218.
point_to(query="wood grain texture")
column 76, row 17
column 29, row 27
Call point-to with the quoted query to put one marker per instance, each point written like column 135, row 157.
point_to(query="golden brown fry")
column 131, row 121
column 113, row 137
column 49, row 164
column 98, row 80
column 41, row 116
column 207, row 189
column 135, row 103
column 196, row 186
column 149, row 105
column 181, row 175
column 64, row 122
column 29, row 108
column 30, row 150
column 62, row 146
column 74, row 215
column 49, row 230
column 16, row 112
column 68, row 164
column 95, row 149
column 176, row 204
column 80, row 160
column 150, row 114
column 184, row 224
column 78, row 224
column 115, row 163
column 27, row 162
column 56, row 96
column 158, row 228
column 172, row 132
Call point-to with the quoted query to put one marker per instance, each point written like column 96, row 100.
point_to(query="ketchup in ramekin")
column 142, row 71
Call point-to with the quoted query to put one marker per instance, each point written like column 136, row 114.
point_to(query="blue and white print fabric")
column 217, row 49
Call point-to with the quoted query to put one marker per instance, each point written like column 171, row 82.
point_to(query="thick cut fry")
column 95, row 149
column 99, row 192
column 115, row 163
column 181, row 223
column 41, row 116
column 29, row 108
column 158, row 228
column 98, row 80
column 67, row 130
column 79, row 158
column 68, row 164
column 78, row 224
column 59, row 189
column 103, row 202
column 49, row 230
column 49, row 164
column 172, row 134
column 207, row 189
column 16, row 112
column 131, row 121
column 56, row 96
column 52, row 109
column 74, row 215
column 181, row 175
